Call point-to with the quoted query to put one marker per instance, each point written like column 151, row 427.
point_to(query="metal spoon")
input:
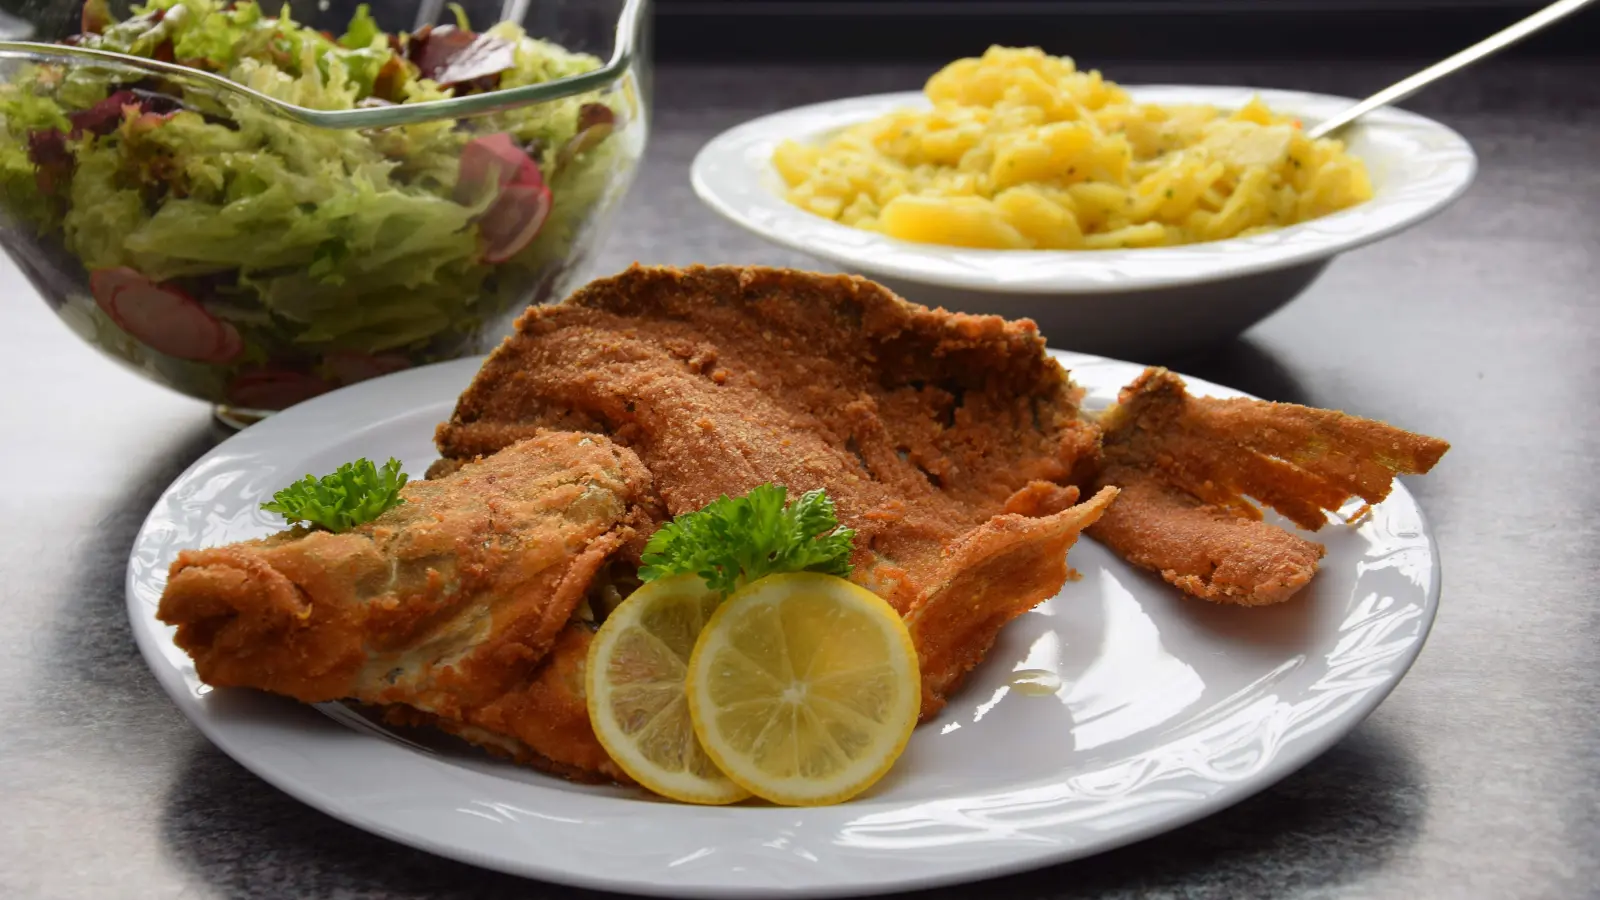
column 1492, row 44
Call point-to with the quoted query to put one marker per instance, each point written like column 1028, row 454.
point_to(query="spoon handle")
column 1492, row 44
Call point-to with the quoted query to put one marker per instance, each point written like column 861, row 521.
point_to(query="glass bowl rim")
column 626, row 49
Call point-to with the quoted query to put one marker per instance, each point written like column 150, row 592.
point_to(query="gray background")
column 1480, row 777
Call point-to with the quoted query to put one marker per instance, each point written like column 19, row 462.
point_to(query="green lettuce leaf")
column 103, row 211
column 221, row 37
column 363, row 30
column 19, row 185
column 23, row 112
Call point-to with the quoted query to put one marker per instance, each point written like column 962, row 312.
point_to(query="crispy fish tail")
column 990, row 576
column 1190, row 467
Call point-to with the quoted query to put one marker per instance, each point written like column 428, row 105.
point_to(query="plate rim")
column 1285, row 763
column 724, row 179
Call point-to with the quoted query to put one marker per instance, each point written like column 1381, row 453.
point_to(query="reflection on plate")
column 1117, row 710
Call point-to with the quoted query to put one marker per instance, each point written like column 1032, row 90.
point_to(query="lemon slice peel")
column 635, row 687
column 795, row 741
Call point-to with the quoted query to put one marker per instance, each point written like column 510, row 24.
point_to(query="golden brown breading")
column 1204, row 550
column 922, row 425
column 549, row 715
column 991, row 575
column 448, row 603
column 1186, row 465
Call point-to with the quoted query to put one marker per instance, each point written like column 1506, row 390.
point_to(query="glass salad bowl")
column 255, row 204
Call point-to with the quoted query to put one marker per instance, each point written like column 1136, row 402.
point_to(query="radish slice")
column 493, row 159
column 163, row 318
column 513, row 221
column 523, row 203
column 229, row 348
column 269, row 389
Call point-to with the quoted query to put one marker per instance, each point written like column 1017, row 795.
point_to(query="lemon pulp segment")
column 804, row 688
column 636, row 674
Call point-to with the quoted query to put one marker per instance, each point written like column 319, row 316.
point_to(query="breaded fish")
column 942, row 438
column 1186, row 465
column 953, row 444
column 446, row 605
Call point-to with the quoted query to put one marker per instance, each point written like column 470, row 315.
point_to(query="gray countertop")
column 1479, row 777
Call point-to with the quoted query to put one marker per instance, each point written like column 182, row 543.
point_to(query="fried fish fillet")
column 1186, row 465
column 444, row 608
column 953, row 444
column 945, row 440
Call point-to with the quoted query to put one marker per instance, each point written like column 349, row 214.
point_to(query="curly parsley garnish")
column 736, row 540
column 357, row 493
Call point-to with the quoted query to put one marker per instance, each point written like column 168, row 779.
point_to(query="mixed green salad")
column 254, row 261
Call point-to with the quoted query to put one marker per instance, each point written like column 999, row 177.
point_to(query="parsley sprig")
column 357, row 493
column 735, row 540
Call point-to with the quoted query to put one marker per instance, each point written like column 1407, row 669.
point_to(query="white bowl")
column 1141, row 303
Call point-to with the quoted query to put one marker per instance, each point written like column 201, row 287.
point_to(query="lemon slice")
column 635, row 685
column 804, row 688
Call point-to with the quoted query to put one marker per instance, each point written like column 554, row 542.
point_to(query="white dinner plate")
column 1169, row 708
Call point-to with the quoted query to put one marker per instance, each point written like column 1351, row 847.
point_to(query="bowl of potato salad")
column 1131, row 221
